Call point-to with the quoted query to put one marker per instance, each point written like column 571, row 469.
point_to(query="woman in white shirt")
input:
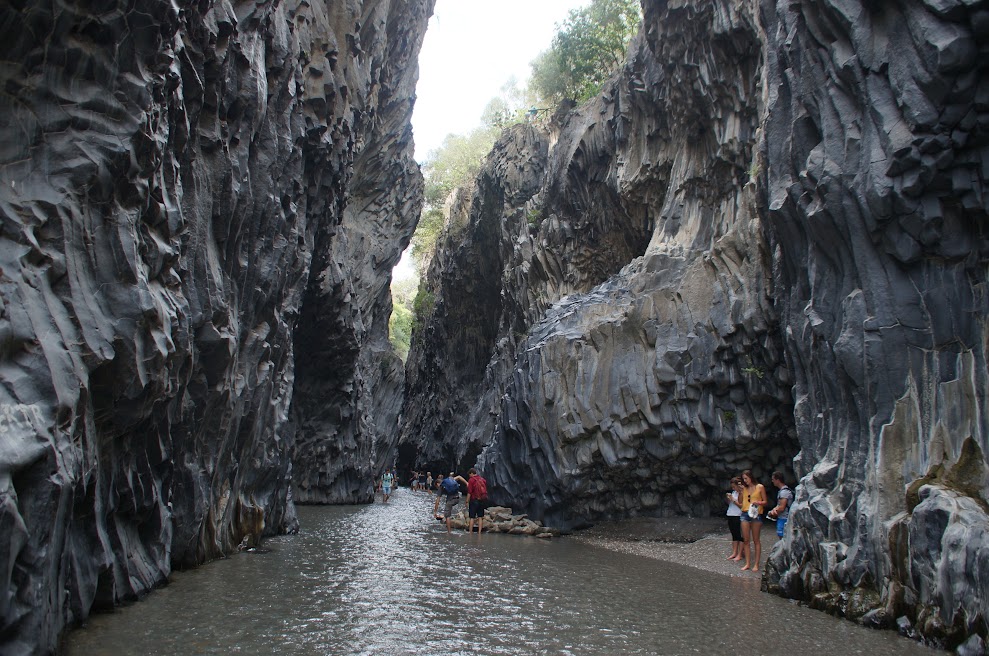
column 735, row 519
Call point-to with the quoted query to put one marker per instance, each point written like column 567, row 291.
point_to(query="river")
column 388, row 579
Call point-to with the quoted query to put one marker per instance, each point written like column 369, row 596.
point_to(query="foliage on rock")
column 589, row 46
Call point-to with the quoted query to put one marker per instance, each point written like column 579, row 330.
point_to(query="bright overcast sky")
column 471, row 49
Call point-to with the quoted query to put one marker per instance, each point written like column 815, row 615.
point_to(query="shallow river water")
column 387, row 579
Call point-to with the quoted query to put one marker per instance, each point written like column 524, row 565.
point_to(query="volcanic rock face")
column 768, row 234
column 637, row 363
column 194, row 195
column 878, row 153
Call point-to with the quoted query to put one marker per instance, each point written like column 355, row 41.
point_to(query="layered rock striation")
column 764, row 245
column 194, row 197
column 877, row 155
column 637, row 362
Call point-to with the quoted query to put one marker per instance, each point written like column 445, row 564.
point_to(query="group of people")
column 448, row 491
column 421, row 481
column 747, row 503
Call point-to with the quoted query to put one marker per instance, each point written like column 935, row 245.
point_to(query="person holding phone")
column 734, row 515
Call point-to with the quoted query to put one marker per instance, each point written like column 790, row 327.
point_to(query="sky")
column 471, row 49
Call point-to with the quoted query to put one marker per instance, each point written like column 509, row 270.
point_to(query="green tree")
column 452, row 165
column 456, row 162
column 425, row 237
column 400, row 329
column 588, row 47
column 510, row 106
column 403, row 294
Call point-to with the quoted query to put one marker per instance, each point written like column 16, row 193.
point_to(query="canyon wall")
column 194, row 196
column 877, row 155
column 603, row 332
column 764, row 244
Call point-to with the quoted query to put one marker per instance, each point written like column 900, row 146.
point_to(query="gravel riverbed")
column 701, row 543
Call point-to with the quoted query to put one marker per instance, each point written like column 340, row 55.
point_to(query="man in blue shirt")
column 784, row 499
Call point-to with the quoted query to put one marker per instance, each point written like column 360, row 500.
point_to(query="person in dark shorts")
column 477, row 499
column 449, row 488
column 734, row 515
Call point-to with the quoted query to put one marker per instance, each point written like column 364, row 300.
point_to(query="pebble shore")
column 700, row 543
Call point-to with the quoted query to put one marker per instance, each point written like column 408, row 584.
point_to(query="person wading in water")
column 386, row 482
column 477, row 498
column 450, row 488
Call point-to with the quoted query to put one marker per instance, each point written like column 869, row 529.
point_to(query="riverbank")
column 701, row 543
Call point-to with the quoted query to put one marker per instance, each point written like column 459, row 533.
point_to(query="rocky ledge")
column 498, row 519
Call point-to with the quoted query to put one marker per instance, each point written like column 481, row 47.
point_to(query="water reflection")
column 387, row 579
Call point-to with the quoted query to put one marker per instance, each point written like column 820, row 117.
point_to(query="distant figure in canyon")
column 386, row 481
column 784, row 498
column 477, row 498
column 429, row 481
column 734, row 515
column 753, row 502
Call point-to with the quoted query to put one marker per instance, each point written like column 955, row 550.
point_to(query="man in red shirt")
column 477, row 498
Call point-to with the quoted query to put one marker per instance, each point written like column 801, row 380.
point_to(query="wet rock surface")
column 603, row 327
column 195, row 197
column 876, row 150
column 767, row 238
column 498, row 519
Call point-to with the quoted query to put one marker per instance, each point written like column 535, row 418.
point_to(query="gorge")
column 764, row 245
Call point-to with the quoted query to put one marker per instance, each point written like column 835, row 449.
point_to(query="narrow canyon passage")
column 758, row 241
column 387, row 579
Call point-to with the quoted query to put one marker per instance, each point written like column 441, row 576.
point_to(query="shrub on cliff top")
column 588, row 47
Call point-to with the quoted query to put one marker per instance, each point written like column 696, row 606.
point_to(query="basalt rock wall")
column 637, row 362
column 877, row 156
column 798, row 192
column 194, row 197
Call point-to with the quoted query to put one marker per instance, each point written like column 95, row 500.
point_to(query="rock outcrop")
column 603, row 326
column 498, row 519
column 877, row 156
column 767, row 235
column 194, row 197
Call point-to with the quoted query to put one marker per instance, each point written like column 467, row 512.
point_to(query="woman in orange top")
column 753, row 494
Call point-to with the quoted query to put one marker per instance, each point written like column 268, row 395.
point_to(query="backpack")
column 482, row 489
column 451, row 487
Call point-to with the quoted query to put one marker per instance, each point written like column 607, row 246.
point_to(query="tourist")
column 735, row 519
column 477, row 497
column 438, row 491
column 784, row 499
column 753, row 503
column 449, row 488
column 429, row 481
column 386, row 480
